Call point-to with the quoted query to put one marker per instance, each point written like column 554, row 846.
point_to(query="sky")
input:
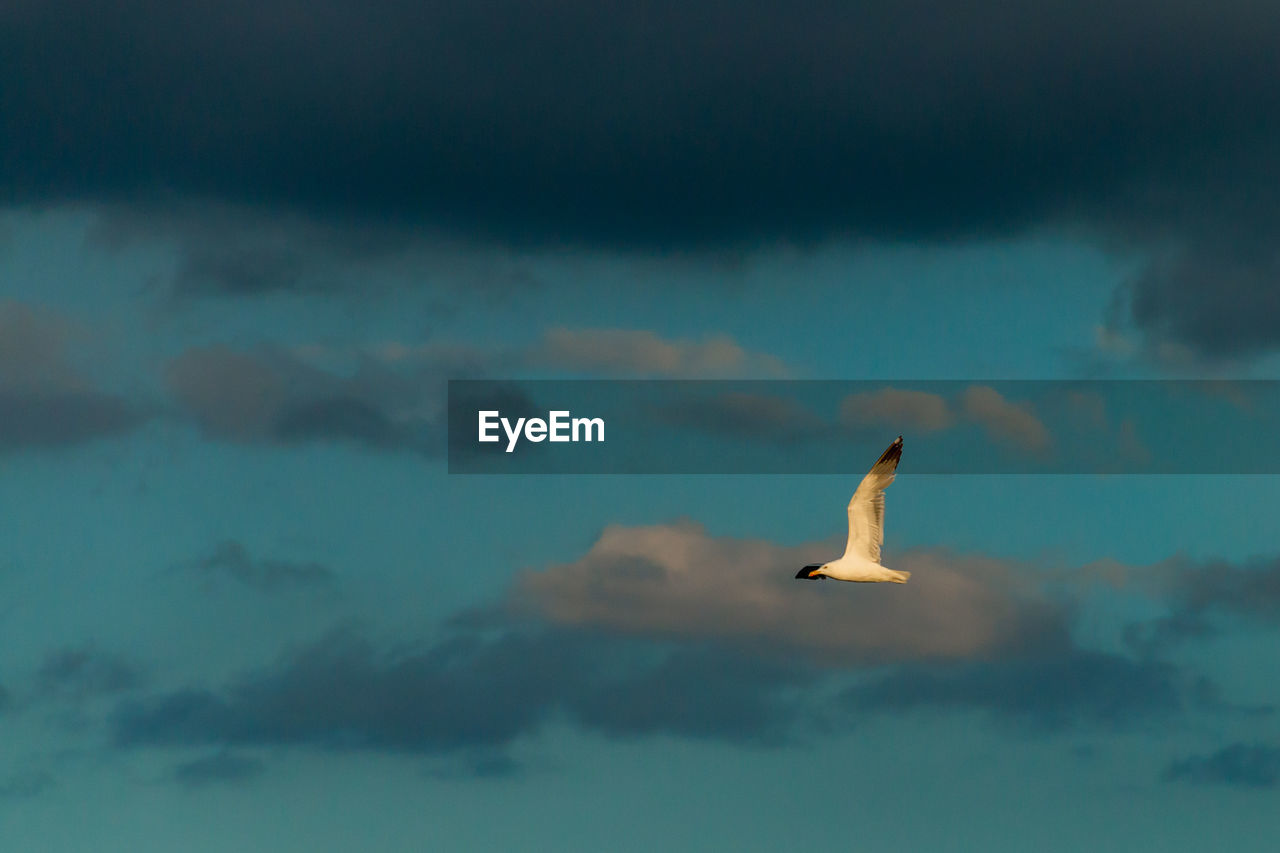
column 244, row 604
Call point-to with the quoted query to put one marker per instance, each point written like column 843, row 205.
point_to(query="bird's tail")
column 901, row 577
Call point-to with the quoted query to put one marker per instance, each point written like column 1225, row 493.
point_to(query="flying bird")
column 861, row 560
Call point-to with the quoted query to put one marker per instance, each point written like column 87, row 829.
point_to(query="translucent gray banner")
column 840, row 427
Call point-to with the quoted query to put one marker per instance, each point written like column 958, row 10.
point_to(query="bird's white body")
column 851, row 567
column 861, row 560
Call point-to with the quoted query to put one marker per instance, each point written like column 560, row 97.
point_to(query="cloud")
column 273, row 396
column 1244, row 765
column 677, row 581
column 1219, row 302
column 1005, row 421
column 642, row 352
column 803, row 141
column 915, row 411
column 392, row 395
column 1200, row 593
column 744, row 415
column 1113, row 444
column 61, row 419
column 482, row 764
column 248, row 250
column 555, row 125
column 34, row 349
column 232, row 395
column 1074, row 688
column 701, row 691
column 666, row 630
column 470, row 694
column 1248, row 589
column 343, row 693
column 232, row 560
column 224, row 768
column 46, row 401
column 81, row 672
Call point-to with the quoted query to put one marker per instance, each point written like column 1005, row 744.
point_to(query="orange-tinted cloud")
column 676, row 580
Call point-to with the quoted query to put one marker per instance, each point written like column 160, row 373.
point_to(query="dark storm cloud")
column 1058, row 691
column 233, row 560
column 642, row 120
column 661, row 124
column 226, row 768
column 1244, row 765
column 1221, row 301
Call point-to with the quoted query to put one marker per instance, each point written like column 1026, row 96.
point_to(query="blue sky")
column 244, row 607
column 106, row 539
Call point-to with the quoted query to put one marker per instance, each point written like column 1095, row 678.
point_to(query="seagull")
column 861, row 560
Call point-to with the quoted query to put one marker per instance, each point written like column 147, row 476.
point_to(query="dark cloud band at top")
column 632, row 122
column 655, row 124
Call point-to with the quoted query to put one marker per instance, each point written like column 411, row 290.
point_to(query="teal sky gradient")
column 99, row 541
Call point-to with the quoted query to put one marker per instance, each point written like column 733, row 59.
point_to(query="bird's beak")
column 808, row 572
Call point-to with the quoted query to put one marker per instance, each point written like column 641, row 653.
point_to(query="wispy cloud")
column 641, row 352
column 897, row 408
column 1242, row 765
column 81, row 672
column 1004, row 420
column 232, row 560
column 390, row 395
column 219, row 768
column 46, row 398
column 1201, row 594
column 273, row 396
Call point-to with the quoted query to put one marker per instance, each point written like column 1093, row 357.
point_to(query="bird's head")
column 812, row 572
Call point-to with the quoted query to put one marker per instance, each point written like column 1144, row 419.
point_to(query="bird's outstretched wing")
column 866, row 509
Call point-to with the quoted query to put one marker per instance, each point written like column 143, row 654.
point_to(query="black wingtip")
column 893, row 452
column 803, row 574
